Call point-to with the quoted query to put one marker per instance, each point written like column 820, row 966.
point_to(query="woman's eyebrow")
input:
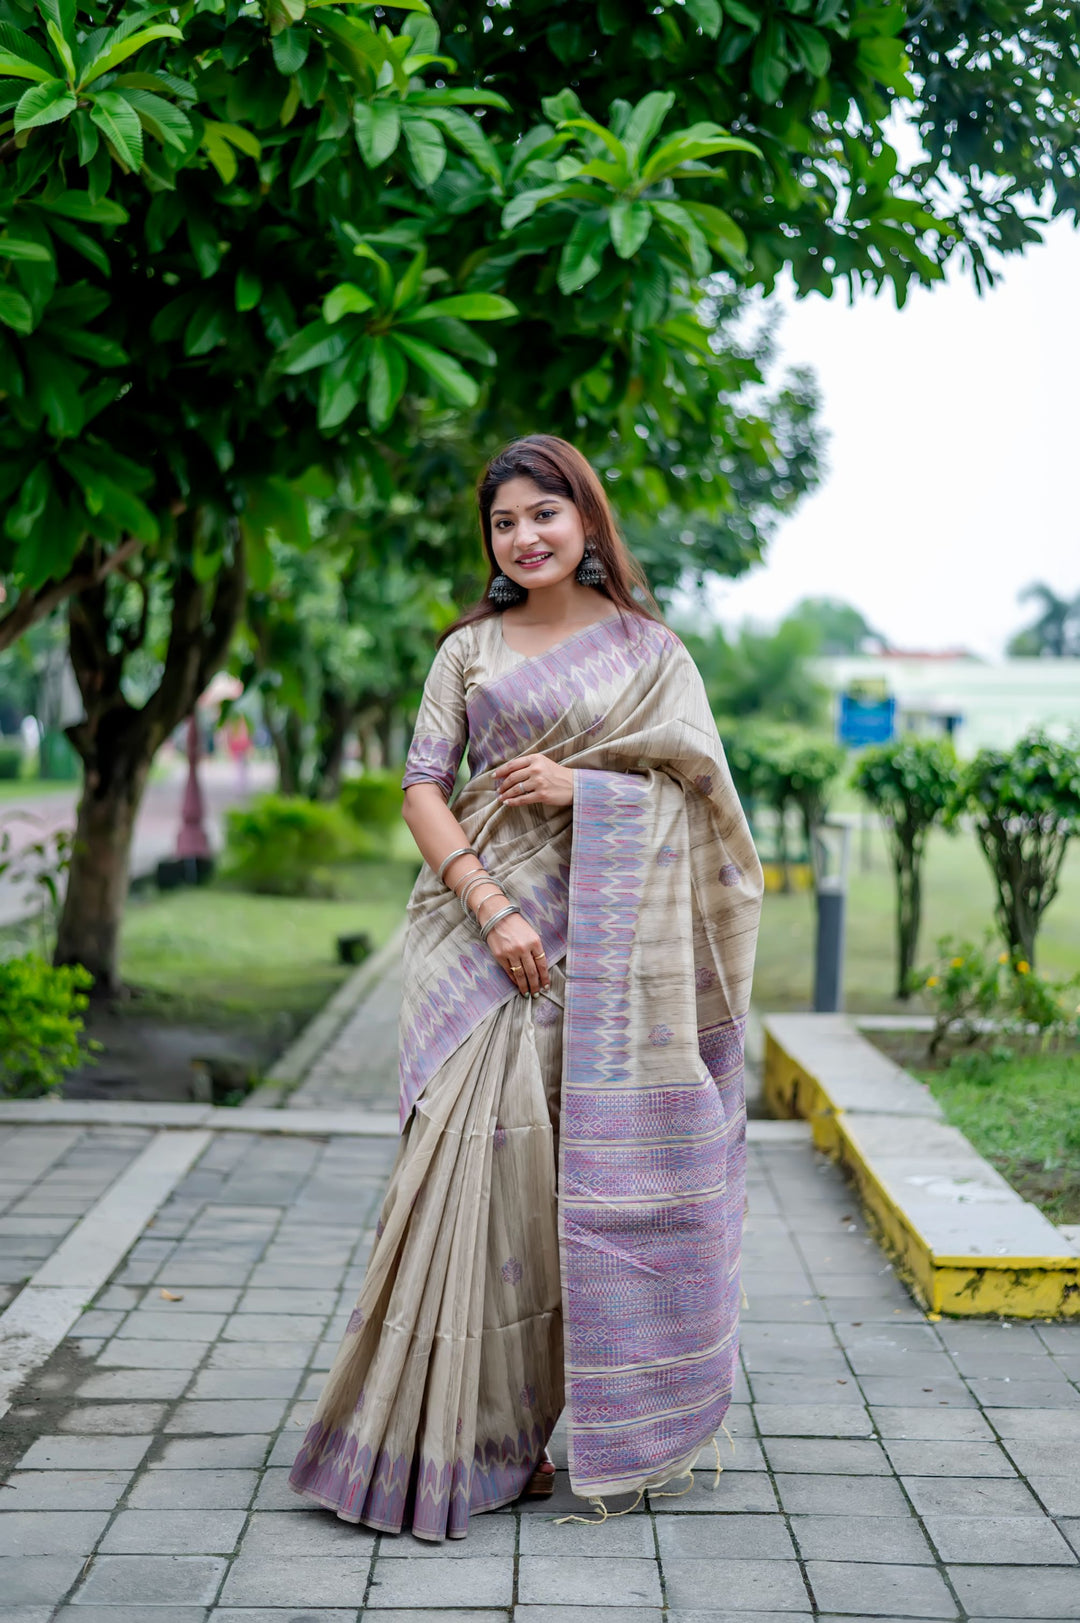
column 507, row 512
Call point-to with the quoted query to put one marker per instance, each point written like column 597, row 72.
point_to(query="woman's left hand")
column 533, row 780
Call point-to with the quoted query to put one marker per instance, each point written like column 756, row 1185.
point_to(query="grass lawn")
column 1023, row 1115
column 217, row 954
column 958, row 899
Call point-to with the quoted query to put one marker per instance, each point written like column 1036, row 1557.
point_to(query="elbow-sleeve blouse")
column 441, row 731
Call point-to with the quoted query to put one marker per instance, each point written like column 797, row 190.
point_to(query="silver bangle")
column 485, row 929
column 470, row 885
column 464, row 851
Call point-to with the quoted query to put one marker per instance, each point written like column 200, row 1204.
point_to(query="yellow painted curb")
column 955, row 1282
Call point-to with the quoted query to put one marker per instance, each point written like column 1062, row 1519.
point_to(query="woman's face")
column 537, row 538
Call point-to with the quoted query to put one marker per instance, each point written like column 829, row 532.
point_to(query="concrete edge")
column 40, row 1316
column 290, row 1068
column 957, row 1282
column 114, row 1113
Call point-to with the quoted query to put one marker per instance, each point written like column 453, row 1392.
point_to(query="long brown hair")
column 558, row 469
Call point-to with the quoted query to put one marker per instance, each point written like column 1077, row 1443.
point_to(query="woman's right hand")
column 515, row 945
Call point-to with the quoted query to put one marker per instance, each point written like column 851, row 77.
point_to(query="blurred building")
column 978, row 702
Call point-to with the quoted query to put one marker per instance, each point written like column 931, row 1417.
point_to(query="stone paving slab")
column 147, row 1464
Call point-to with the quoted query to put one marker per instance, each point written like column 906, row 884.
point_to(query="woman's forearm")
column 437, row 832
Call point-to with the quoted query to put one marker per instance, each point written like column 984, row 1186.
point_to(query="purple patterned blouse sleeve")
column 440, row 735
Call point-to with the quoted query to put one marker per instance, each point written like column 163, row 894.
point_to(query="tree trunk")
column 118, row 742
column 335, row 724
column 93, row 910
column 288, row 749
column 908, row 918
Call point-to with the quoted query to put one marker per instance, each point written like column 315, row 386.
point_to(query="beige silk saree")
column 563, row 1222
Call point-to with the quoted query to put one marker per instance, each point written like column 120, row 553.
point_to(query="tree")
column 839, row 627
column 1056, row 632
column 761, row 674
column 911, row 783
column 783, row 767
column 1025, row 804
column 244, row 241
column 988, row 87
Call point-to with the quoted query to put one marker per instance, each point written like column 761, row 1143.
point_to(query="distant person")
column 239, row 744
column 574, row 1133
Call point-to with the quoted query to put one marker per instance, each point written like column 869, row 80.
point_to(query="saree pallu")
column 563, row 1222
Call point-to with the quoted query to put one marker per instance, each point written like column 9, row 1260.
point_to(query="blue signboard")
column 865, row 721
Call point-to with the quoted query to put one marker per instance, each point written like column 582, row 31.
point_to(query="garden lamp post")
column 831, row 852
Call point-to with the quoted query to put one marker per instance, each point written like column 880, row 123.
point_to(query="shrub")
column 286, row 845
column 975, row 989
column 911, row 782
column 1025, row 805
column 374, row 801
column 782, row 767
column 11, row 758
column 40, row 1024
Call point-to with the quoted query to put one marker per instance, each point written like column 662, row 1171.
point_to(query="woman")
column 563, row 1222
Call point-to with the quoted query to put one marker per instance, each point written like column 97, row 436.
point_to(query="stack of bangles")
column 473, row 880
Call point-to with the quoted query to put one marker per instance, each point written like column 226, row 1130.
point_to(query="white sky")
column 953, row 461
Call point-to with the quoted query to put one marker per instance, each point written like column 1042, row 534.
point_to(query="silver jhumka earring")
column 503, row 591
column 590, row 571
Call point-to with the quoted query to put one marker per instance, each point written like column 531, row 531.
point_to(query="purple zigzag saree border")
column 509, row 715
column 648, row 1233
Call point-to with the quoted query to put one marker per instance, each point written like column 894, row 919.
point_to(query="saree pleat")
column 563, row 1221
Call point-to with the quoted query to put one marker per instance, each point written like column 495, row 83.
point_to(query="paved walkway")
column 883, row 1466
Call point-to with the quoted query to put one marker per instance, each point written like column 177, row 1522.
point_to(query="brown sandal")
column 541, row 1485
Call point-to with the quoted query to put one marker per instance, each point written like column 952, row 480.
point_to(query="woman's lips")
column 534, row 560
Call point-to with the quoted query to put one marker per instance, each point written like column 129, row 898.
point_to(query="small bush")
column 40, row 1024
column 284, row 845
column 11, row 758
column 374, row 801
column 971, row 989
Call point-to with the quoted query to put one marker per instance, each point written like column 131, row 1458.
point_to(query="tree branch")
column 30, row 607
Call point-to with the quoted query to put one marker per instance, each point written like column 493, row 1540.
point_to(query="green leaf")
column 378, row 130
column 62, row 49
column 19, row 248
column 313, row 346
column 345, row 300
column 15, row 312
column 219, row 140
column 408, row 289
column 119, row 123
column 248, row 290
column 698, row 141
column 22, row 58
column 720, row 231
column 89, row 346
column 459, row 98
column 45, row 103
column 160, row 118
column 629, row 223
column 29, row 504
column 120, row 50
column 460, row 388
column 466, row 133
column 466, row 306
column 339, row 386
column 707, row 15
column 205, row 329
column 81, row 206
column 290, row 50
column 82, row 244
column 583, row 254
column 686, row 230
column 769, row 66
column 644, row 122
column 427, row 149
column 387, row 376
column 614, row 145
column 811, row 45
column 385, row 275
